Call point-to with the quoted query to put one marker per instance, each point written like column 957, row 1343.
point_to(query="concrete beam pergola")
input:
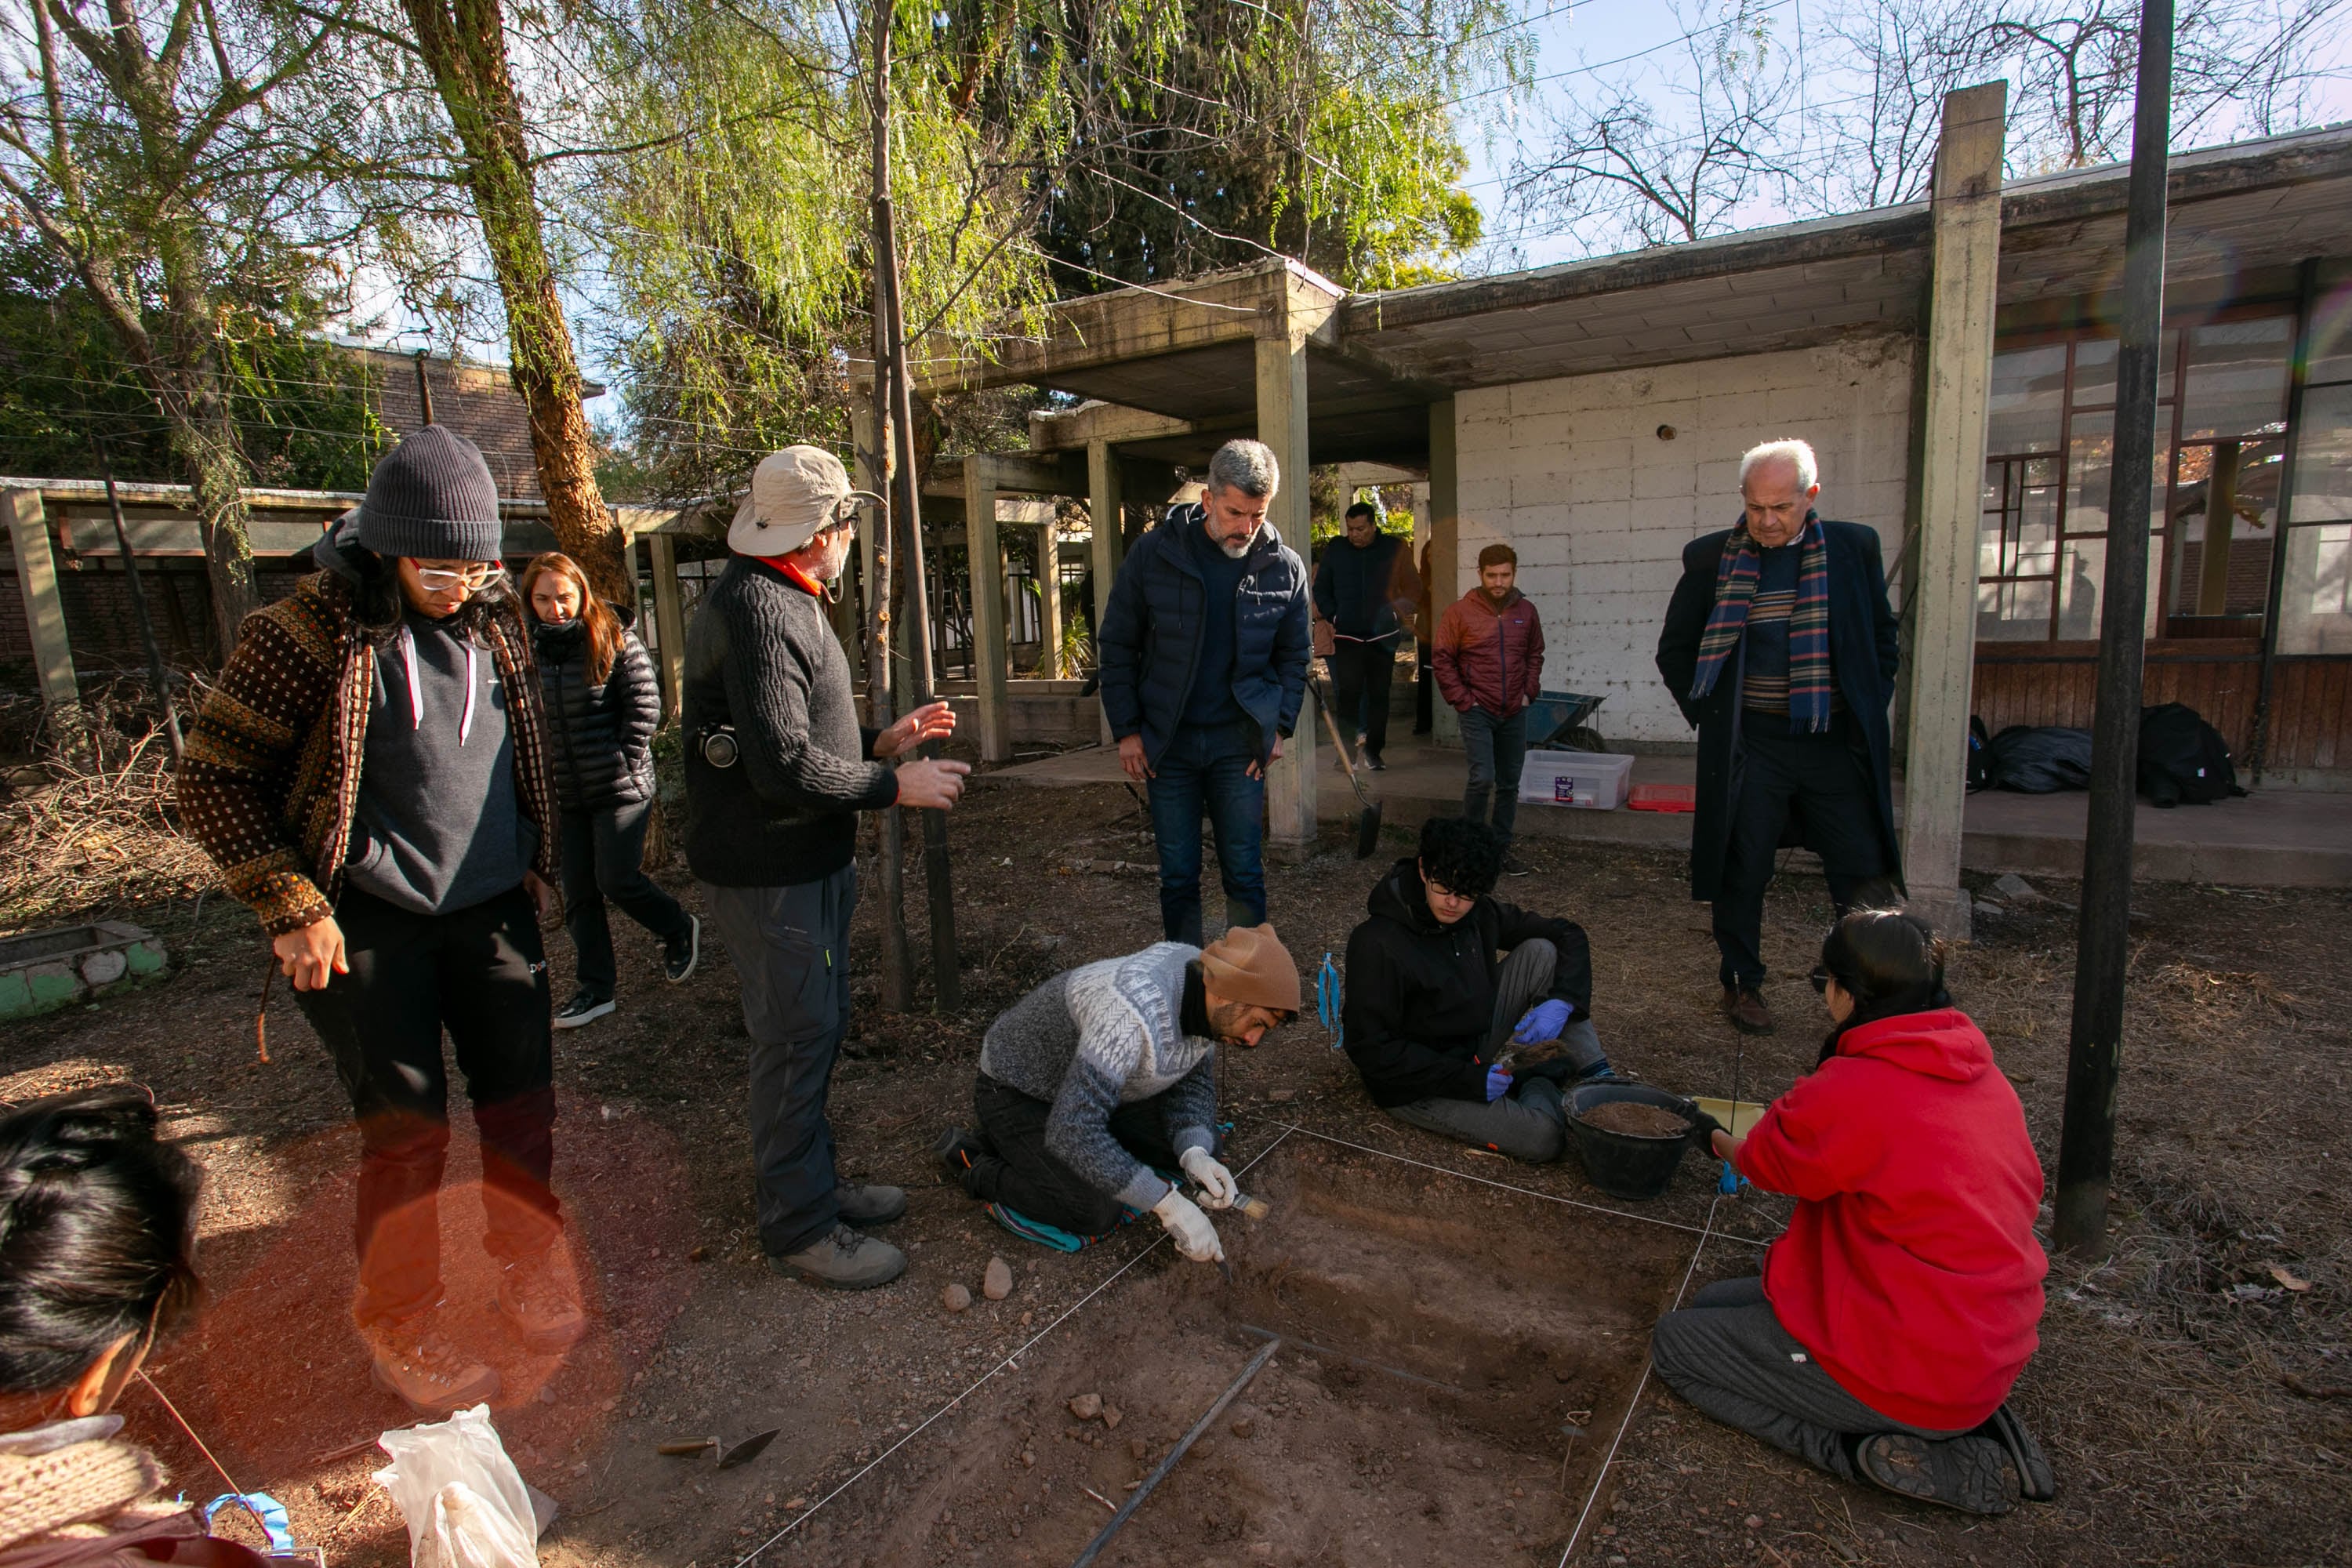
column 45, row 612
column 986, row 475
column 1963, row 295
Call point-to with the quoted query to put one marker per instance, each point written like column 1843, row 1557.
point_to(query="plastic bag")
column 464, row 1499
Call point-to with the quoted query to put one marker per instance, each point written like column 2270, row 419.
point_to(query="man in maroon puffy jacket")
column 1488, row 658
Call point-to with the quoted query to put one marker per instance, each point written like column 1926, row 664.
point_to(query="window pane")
column 2331, row 337
column 2027, row 388
column 2316, row 613
column 2086, row 564
column 2094, row 371
column 2237, row 378
column 2014, row 612
column 2037, row 531
column 2090, row 448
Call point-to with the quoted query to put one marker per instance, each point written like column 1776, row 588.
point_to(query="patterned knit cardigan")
column 272, row 769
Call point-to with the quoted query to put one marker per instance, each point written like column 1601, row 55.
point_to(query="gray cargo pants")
column 790, row 946
column 1529, row 1122
column 1728, row 1353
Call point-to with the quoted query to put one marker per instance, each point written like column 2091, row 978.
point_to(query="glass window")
column 2078, row 600
column 2331, row 336
column 2094, row 371
column 2237, row 379
column 2029, row 390
column 2315, row 612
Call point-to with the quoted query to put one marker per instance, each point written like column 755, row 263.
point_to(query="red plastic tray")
column 1662, row 797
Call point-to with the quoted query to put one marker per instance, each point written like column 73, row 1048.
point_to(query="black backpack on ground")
column 2183, row 758
column 2038, row 759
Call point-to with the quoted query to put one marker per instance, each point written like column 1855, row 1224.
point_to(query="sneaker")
column 538, row 1297
column 681, row 953
column 2035, row 1479
column 1964, row 1473
column 414, row 1360
column 1514, row 867
column 1372, row 761
column 846, row 1260
column 862, row 1204
column 585, row 1007
column 1744, row 1005
column 954, row 1155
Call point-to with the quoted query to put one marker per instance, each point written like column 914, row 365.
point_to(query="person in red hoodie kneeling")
column 1892, row 1317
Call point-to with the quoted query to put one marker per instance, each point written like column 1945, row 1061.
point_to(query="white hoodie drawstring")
column 416, row 691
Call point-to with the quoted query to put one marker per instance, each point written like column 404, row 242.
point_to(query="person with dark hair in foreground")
column 1466, row 1015
column 1895, row 1312
column 96, row 1261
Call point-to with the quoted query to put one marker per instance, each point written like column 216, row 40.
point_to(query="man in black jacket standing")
column 777, row 768
column 1364, row 587
column 1451, row 995
column 1205, row 651
column 1780, row 646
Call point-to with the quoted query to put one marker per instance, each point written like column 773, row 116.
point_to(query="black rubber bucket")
column 1626, row 1164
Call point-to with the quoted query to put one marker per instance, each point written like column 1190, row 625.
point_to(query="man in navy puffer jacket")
column 1204, row 650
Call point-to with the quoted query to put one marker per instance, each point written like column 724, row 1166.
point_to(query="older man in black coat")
column 1780, row 646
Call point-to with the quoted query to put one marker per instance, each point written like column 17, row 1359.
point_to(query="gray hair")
column 1797, row 454
column 1246, row 466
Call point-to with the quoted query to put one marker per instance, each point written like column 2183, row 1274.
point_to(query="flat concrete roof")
column 1184, row 353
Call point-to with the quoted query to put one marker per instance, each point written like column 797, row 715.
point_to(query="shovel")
column 1367, row 820
column 729, row 1457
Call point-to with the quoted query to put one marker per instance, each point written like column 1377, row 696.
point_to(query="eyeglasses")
column 1821, row 979
column 473, row 579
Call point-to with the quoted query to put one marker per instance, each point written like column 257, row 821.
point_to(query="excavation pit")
column 1457, row 1359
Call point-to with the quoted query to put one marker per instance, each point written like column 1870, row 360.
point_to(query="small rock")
column 796, row 1502
column 1025, row 1317
column 547, row 1394
column 2017, row 890
column 1137, row 1448
column 1205, row 1448
column 1087, row 1407
column 1283, row 1096
column 1112, row 1416
column 955, row 1297
column 1754, row 1521
column 1027, row 1458
column 997, row 1283
column 1243, row 1427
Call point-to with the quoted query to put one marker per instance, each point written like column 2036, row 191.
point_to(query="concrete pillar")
column 45, row 612
column 1282, row 425
column 1106, row 507
column 1049, row 598
column 669, row 622
column 1960, row 304
column 1445, row 552
column 990, row 657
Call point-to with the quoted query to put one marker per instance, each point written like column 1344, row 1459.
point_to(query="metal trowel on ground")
column 1367, row 818
column 741, row 1453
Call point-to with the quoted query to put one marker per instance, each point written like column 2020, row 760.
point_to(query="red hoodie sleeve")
column 1818, row 1140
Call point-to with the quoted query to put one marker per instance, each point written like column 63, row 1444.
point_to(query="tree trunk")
column 464, row 43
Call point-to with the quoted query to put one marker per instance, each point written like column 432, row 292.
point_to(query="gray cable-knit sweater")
column 1104, row 1034
column 761, row 656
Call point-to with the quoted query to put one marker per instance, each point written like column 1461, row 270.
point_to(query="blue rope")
column 1327, row 1002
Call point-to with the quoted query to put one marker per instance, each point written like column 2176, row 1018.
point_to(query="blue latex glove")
column 1498, row 1083
column 1544, row 1021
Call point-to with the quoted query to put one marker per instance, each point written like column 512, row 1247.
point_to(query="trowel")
column 741, row 1453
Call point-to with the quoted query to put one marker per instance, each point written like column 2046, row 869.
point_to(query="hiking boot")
column 2035, row 1479
column 1744, row 1005
column 683, row 952
column 585, row 1007
column 538, row 1297
column 861, row 1204
column 1964, row 1473
column 954, row 1155
column 846, row 1260
column 414, row 1360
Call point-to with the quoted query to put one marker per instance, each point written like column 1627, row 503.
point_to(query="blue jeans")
column 1497, row 750
column 1207, row 769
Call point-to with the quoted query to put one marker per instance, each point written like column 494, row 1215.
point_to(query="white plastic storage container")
column 1596, row 781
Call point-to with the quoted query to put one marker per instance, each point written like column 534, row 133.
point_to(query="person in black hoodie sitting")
column 1454, row 995
column 603, row 708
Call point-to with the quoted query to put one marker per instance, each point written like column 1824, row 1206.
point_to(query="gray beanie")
column 432, row 498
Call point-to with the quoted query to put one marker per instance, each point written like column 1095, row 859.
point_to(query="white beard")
column 1235, row 549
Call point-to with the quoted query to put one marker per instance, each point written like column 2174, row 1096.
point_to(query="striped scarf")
column 1809, row 681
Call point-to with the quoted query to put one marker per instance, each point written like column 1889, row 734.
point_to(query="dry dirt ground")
column 1478, row 1332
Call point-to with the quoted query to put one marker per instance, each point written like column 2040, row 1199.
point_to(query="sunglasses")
column 473, row 579
column 1821, row 978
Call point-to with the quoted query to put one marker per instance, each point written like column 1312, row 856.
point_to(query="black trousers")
column 604, row 858
column 1826, row 781
column 1019, row 1172
column 1360, row 675
column 480, row 974
column 1424, row 689
column 790, row 946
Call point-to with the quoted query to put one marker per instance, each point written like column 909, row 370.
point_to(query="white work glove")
column 1196, row 1238
column 1218, row 1190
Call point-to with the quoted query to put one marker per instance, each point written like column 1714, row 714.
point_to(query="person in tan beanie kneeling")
column 1105, row 1076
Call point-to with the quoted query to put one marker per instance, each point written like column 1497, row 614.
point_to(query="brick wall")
column 1572, row 474
column 477, row 401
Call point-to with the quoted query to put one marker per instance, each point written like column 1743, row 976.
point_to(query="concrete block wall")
column 1573, row 475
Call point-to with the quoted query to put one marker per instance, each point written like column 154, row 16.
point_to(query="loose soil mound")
column 1633, row 1118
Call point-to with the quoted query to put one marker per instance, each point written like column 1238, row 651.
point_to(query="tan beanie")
column 1249, row 964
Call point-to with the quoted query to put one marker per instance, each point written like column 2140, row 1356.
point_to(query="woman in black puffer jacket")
column 603, row 707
